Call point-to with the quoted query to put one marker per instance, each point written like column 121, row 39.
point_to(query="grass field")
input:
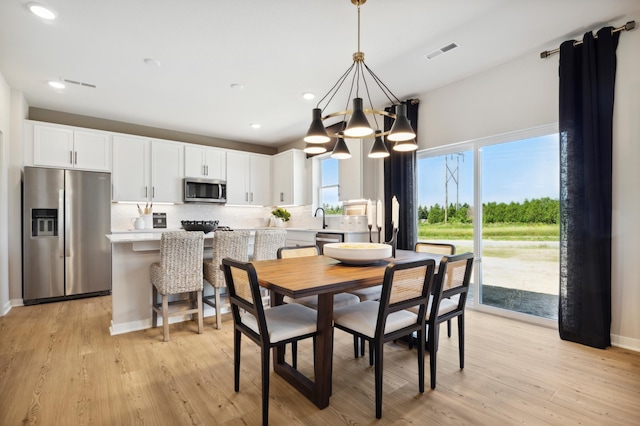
column 491, row 231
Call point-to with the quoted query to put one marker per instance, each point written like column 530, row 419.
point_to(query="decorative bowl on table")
column 357, row 253
column 205, row 226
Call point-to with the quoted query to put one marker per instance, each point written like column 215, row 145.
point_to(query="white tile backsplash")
column 122, row 216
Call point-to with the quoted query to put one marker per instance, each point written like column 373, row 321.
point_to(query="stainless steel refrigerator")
column 66, row 215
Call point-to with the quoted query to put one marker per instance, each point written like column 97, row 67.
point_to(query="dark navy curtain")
column 587, row 81
column 399, row 180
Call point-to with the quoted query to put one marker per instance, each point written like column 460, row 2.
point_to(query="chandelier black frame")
column 357, row 126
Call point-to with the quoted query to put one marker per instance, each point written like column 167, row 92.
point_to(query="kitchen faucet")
column 324, row 225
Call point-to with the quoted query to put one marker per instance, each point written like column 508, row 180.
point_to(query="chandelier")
column 355, row 123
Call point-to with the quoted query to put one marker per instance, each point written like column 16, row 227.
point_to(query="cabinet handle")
column 282, row 196
column 70, row 157
column 246, row 196
column 146, row 191
column 204, row 170
column 75, row 157
column 153, row 192
column 206, row 167
column 252, row 197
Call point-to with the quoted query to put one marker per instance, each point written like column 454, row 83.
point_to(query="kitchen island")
column 132, row 253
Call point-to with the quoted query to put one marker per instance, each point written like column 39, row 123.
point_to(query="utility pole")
column 451, row 174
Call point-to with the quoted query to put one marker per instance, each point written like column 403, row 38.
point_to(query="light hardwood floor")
column 60, row 366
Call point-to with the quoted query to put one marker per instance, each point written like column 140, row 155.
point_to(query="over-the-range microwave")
column 205, row 190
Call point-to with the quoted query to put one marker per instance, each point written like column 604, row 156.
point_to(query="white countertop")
column 135, row 235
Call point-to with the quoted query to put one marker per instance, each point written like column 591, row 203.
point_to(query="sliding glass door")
column 520, row 230
column 498, row 197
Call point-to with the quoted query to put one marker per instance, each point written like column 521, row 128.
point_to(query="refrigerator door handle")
column 60, row 222
column 67, row 224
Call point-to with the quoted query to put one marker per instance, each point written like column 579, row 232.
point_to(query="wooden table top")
column 305, row 276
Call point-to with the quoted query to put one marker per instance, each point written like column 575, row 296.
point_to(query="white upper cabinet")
column 248, row 179
column 131, row 176
column 204, row 162
column 289, row 178
column 65, row 147
column 167, row 172
column 147, row 170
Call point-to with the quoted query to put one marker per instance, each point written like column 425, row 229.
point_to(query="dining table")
column 322, row 276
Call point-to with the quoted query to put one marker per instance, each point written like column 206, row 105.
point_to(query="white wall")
column 5, row 116
column 523, row 94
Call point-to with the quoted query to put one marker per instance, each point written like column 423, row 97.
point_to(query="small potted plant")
column 281, row 215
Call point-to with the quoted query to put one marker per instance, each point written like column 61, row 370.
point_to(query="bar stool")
column 178, row 271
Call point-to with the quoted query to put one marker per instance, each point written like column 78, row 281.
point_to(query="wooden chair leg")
column 461, row 339
column 355, row 346
column 236, row 359
column 421, row 344
column 294, row 354
column 265, row 385
column 216, row 291
column 154, row 304
column 371, row 351
column 378, row 374
column 433, row 350
column 165, row 317
column 200, row 313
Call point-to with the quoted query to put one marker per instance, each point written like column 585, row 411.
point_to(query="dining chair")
column 405, row 285
column 178, row 271
column 232, row 244
column 444, row 249
column 339, row 299
column 268, row 328
column 452, row 279
column 267, row 242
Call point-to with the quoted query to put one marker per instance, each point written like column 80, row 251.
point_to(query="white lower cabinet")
column 248, row 179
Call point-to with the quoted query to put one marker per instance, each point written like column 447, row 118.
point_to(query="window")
column 498, row 197
column 329, row 186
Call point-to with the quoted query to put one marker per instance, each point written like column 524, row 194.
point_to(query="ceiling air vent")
column 79, row 83
column 442, row 50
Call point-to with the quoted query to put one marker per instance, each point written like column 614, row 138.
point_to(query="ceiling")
column 275, row 49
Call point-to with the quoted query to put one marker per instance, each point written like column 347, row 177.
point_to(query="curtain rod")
column 626, row 27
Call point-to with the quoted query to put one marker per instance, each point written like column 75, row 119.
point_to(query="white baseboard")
column 625, row 342
column 128, row 327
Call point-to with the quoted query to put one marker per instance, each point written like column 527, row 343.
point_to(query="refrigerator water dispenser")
column 44, row 222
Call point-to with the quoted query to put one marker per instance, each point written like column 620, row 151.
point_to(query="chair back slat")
column 297, row 251
column 407, row 284
column 438, row 248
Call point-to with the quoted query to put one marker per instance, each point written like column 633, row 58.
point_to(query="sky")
column 513, row 171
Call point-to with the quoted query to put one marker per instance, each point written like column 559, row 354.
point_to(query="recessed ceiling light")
column 255, row 125
column 237, row 86
column 152, row 62
column 57, row 85
column 42, row 11
column 308, row 95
